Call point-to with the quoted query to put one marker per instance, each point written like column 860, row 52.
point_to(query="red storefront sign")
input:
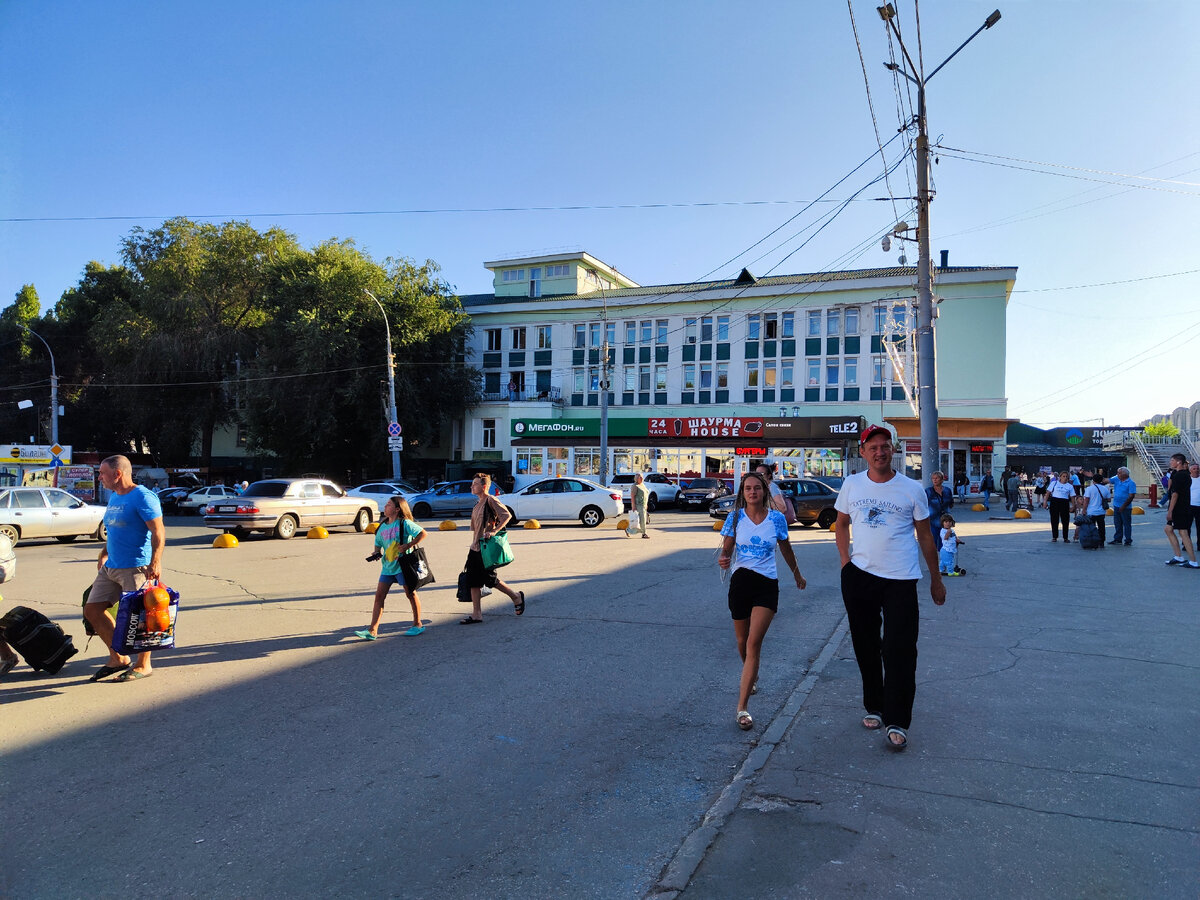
column 749, row 451
column 706, row 427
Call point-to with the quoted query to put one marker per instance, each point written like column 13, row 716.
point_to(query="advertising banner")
column 706, row 427
column 34, row 454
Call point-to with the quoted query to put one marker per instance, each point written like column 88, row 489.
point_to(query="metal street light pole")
column 53, row 388
column 926, row 353
column 391, row 370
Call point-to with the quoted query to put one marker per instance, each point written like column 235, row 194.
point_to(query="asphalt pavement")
column 588, row 748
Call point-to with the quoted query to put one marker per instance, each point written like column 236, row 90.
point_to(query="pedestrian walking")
column 1012, row 497
column 133, row 549
column 776, row 500
column 641, row 502
column 1040, row 484
column 986, row 487
column 487, row 518
column 1194, row 472
column 939, row 499
column 751, row 534
column 1124, row 490
column 1179, row 514
column 1096, row 499
column 1061, row 493
column 879, row 581
column 395, row 542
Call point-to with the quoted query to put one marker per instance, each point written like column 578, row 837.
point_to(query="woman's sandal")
column 469, row 621
column 893, row 731
column 744, row 721
column 872, row 721
column 520, row 607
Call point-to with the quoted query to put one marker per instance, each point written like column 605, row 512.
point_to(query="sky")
column 664, row 138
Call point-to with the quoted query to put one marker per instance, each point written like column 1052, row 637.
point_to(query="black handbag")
column 417, row 572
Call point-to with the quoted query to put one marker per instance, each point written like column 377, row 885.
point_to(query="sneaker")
column 1174, row 561
column 1129, row 543
column 1191, row 565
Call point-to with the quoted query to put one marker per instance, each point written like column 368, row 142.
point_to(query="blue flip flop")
column 366, row 635
column 414, row 631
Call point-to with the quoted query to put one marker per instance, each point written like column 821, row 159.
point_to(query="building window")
column 493, row 339
column 689, row 377
column 769, row 374
column 610, row 333
column 557, row 271
column 752, row 327
column 900, row 316
column 833, row 322
column 880, row 319
column 631, row 332
column 831, row 373
column 543, row 332
column 881, row 371
column 752, row 375
column 529, row 462
column 722, row 328
column 789, row 325
column 535, row 282
column 518, row 338
column 689, row 331
column 516, row 381
column 660, row 378
column 722, row 376
column 814, row 373
column 594, row 334
column 771, row 326
column 580, row 380
column 851, row 372
column 660, row 331
column 630, row 378
column 852, row 320
column 786, row 368
column 593, row 379
column 513, row 275
column 489, row 434
column 647, row 332
column 643, row 378
column 705, row 376
column 706, row 329
column 580, row 336
column 814, row 323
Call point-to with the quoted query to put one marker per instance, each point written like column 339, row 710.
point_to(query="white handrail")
column 1148, row 461
column 1188, row 447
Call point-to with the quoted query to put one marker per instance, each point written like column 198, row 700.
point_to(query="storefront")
column 683, row 448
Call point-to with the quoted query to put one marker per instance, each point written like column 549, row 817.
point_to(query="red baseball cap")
column 871, row 431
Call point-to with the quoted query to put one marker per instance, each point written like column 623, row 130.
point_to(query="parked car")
column 702, row 492
column 450, row 498
column 565, row 498
column 31, row 512
column 202, row 497
column 285, row 505
column 380, row 492
column 169, row 498
column 811, row 499
column 662, row 489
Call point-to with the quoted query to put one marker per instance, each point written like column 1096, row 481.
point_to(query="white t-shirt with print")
column 754, row 545
column 1093, row 495
column 883, row 539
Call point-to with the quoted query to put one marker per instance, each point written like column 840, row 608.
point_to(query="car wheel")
column 591, row 516
column 827, row 518
column 101, row 533
column 285, row 528
column 65, row 538
column 652, row 503
column 12, row 532
column 422, row 511
column 514, row 520
column 362, row 520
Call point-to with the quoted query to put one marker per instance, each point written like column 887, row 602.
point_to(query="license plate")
column 226, row 509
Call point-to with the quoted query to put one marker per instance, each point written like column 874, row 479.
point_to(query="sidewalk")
column 1052, row 753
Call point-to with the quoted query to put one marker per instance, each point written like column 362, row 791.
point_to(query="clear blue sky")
column 253, row 110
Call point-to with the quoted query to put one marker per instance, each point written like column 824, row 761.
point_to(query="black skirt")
column 477, row 575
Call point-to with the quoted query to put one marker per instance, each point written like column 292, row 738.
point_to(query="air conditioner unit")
column 691, row 340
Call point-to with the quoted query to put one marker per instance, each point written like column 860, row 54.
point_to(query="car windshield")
column 267, row 489
column 706, row 483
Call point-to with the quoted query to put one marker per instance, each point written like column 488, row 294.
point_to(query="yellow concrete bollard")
column 447, row 526
column 1137, row 511
column 717, row 526
column 317, row 533
column 1022, row 514
column 224, row 541
column 532, row 524
column 832, row 527
column 372, row 528
column 978, row 507
column 1108, row 512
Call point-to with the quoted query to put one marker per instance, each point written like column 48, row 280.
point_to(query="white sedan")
column 381, row 492
column 31, row 512
column 201, row 497
column 565, row 498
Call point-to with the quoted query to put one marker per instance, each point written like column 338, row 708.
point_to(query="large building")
column 705, row 378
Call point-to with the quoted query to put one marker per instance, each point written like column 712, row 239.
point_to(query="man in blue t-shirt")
column 1123, row 490
column 134, row 548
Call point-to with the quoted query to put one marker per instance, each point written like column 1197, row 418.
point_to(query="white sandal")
column 744, row 721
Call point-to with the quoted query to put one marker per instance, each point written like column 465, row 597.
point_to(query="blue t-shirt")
column 128, row 535
column 389, row 537
column 754, row 545
column 1122, row 491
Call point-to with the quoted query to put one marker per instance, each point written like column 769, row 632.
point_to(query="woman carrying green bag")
column 488, row 519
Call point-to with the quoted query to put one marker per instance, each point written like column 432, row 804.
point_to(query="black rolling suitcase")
column 42, row 643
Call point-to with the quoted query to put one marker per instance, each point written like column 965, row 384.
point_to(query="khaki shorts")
column 110, row 584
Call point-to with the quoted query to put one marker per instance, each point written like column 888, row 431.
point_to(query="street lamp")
column 926, row 361
column 391, row 370
column 53, row 388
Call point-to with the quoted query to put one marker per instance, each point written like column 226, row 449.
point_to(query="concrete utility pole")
column 391, row 370
column 926, row 353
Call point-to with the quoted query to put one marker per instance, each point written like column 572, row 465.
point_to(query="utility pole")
column 926, row 353
column 391, row 370
column 604, row 389
column 53, row 388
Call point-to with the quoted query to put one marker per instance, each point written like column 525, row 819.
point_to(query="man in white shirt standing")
column 879, row 581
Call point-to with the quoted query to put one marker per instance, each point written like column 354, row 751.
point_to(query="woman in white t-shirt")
column 751, row 533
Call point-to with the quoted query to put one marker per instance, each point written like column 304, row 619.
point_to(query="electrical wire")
column 871, row 107
column 1034, row 162
column 1139, row 187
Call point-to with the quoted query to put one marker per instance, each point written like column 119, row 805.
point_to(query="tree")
column 1163, row 429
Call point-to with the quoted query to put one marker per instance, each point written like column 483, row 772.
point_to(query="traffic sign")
column 55, row 463
column 394, row 429
column 395, row 443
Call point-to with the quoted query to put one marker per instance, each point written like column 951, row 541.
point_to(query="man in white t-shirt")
column 879, row 581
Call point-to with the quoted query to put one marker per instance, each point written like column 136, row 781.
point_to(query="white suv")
column 662, row 489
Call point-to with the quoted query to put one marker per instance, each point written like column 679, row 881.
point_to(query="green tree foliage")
column 1162, row 429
